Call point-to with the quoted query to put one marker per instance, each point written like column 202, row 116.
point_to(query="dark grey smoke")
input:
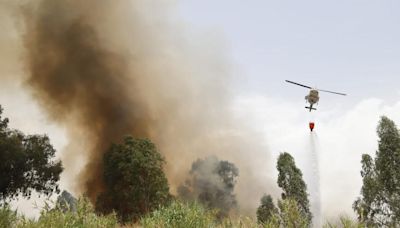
column 212, row 183
column 67, row 202
column 74, row 75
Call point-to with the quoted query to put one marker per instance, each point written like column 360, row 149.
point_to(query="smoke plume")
column 212, row 183
column 105, row 69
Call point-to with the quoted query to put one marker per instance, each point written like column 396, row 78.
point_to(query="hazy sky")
column 344, row 45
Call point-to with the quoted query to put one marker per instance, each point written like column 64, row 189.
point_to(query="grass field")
column 177, row 214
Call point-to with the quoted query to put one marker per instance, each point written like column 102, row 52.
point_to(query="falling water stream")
column 314, row 178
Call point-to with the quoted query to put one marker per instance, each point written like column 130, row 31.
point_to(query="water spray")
column 314, row 187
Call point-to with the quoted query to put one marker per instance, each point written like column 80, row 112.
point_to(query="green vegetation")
column 379, row 204
column 26, row 164
column 176, row 214
column 266, row 210
column 180, row 215
column 135, row 183
column 294, row 208
column 345, row 222
column 8, row 217
column 189, row 215
column 83, row 217
column 290, row 179
column 137, row 193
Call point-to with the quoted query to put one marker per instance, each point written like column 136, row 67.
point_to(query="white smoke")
column 343, row 136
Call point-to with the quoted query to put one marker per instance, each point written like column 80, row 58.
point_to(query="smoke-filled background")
column 204, row 78
column 104, row 69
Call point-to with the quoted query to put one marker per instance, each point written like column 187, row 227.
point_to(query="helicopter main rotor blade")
column 308, row 87
column 327, row 91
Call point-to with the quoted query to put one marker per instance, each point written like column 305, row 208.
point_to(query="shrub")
column 345, row 222
column 179, row 214
column 8, row 218
column 83, row 217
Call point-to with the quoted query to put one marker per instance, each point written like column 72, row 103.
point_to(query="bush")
column 83, row 217
column 179, row 214
column 8, row 218
column 345, row 222
column 289, row 215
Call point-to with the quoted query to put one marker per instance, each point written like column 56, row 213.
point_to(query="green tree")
column 135, row 183
column 266, row 210
column 27, row 163
column 290, row 179
column 379, row 204
column 292, row 214
column 288, row 215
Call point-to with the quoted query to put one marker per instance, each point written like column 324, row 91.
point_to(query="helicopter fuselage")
column 312, row 97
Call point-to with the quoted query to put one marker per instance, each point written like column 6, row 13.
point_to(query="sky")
column 346, row 46
column 342, row 45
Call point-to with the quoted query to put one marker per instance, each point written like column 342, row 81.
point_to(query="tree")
column 212, row 183
column 266, row 210
column 287, row 215
column 27, row 164
column 135, row 183
column 290, row 179
column 379, row 204
column 292, row 214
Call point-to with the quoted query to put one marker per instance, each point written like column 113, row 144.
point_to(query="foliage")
column 135, row 183
column 212, row 184
column 192, row 214
column 8, row 218
column 345, row 222
column 379, row 204
column 83, row 217
column 266, row 210
column 291, row 214
column 294, row 208
column 26, row 163
column 290, row 179
column 245, row 222
column 180, row 214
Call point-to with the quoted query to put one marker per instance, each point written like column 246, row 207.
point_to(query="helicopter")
column 313, row 96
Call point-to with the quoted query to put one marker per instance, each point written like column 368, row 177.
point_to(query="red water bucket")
column 311, row 126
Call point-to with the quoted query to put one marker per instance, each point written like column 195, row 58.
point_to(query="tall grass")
column 83, row 217
column 345, row 222
column 180, row 215
column 8, row 218
column 176, row 214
